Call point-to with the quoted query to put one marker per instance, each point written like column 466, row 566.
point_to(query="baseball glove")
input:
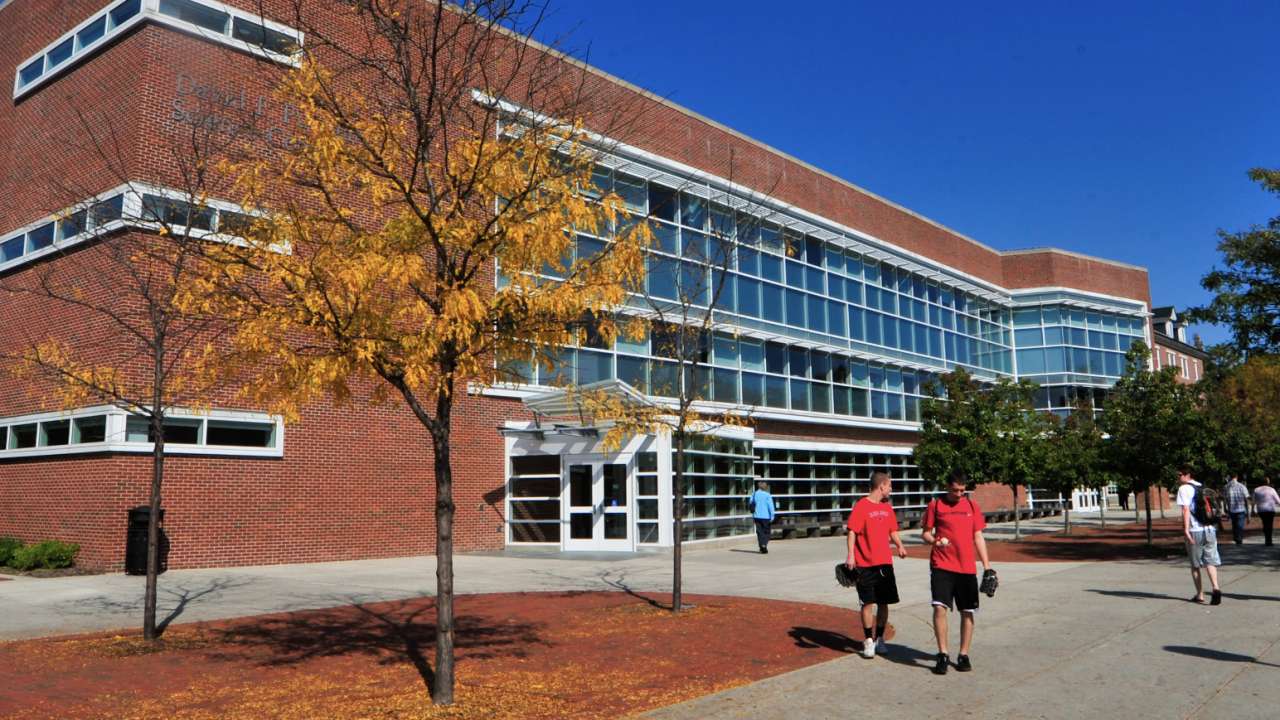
column 845, row 576
column 989, row 583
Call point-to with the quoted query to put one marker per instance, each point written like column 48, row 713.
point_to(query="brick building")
column 831, row 346
column 1171, row 349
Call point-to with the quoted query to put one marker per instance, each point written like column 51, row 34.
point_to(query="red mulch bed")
column 520, row 655
column 1124, row 540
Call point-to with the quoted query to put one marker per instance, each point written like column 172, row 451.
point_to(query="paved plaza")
column 1059, row 640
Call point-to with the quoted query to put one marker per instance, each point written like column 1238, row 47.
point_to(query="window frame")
column 148, row 12
column 115, row 439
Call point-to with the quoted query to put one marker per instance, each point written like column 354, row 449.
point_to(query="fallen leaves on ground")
column 520, row 655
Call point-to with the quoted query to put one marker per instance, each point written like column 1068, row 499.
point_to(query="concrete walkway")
column 1059, row 640
column 1083, row 641
column 798, row 569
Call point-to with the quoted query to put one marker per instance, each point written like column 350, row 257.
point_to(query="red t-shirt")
column 871, row 523
column 956, row 523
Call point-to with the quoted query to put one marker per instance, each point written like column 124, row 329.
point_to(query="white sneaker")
column 868, row 649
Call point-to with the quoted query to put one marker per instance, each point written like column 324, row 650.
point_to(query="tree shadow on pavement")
column 1216, row 655
column 390, row 632
column 618, row 581
column 185, row 596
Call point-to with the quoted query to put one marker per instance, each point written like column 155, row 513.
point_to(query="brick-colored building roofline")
column 741, row 136
column 1072, row 253
column 650, row 95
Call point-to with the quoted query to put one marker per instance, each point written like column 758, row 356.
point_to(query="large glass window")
column 200, row 15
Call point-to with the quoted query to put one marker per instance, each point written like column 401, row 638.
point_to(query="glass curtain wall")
column 856, row 336
column 1074, row 354
column 718, row 478
column 820, row 488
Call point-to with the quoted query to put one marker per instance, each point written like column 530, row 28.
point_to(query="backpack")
column 1204, row 507
column 751, row 503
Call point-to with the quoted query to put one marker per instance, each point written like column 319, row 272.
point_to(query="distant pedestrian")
column 1265, row 501
column 1237, row 508
column 1199, row 526
column 873, row 525
column 1124, row 499
column 763, row 512
column 953, row 526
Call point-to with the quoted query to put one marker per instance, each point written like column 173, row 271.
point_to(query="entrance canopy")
column 565, row 403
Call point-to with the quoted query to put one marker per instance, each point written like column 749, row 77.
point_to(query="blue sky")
column 1115, row 129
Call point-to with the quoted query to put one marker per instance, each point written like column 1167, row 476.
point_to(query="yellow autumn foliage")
column 374, row 256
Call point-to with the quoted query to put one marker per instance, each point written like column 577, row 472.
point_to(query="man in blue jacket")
column 762, row 511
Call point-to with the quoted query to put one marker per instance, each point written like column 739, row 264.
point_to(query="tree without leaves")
column 1247, row 290
column 1153, row 425
column 129, row 345
column 683, row 299
column 400, row 193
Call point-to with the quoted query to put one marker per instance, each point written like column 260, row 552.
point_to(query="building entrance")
column 597, row 502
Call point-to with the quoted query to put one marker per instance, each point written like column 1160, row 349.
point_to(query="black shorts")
column 877, row 586
column 954, row 590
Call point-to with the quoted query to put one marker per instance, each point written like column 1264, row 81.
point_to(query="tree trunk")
column 442, row 681
column 1066, row 520
column 153, row 527
column 1146, row 499
column 677, row 492
column 1017, row 515
column 1102, row 509
column 1160, row 498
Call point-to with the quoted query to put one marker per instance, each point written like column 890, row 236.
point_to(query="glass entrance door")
column 598, row 504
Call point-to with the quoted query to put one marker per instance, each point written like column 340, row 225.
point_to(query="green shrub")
column 50, row 555
column 8, row 546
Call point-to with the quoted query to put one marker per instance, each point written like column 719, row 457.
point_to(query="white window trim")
column 130, row 217
column 519, row 392
column 150, row 12
column 116, row 441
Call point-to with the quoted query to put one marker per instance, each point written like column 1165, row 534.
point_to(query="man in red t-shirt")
column 953, row 526
column 872, row 524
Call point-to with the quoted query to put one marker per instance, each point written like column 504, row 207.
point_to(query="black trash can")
column 135, row 549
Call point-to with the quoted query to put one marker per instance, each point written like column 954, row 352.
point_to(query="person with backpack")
column 762, row 512
column 1200, row 527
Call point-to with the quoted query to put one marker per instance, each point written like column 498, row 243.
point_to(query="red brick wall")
column 354, row 482
column 1053, row 268
column 1160, row 359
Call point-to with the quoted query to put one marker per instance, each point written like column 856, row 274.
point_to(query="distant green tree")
column 954, row 429
column 992, row 433
column 1076, row 458
column 1241, row 415
column 1153, row 424
column 1247, row 290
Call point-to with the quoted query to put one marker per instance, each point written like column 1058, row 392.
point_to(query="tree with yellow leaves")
column 418, row 228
